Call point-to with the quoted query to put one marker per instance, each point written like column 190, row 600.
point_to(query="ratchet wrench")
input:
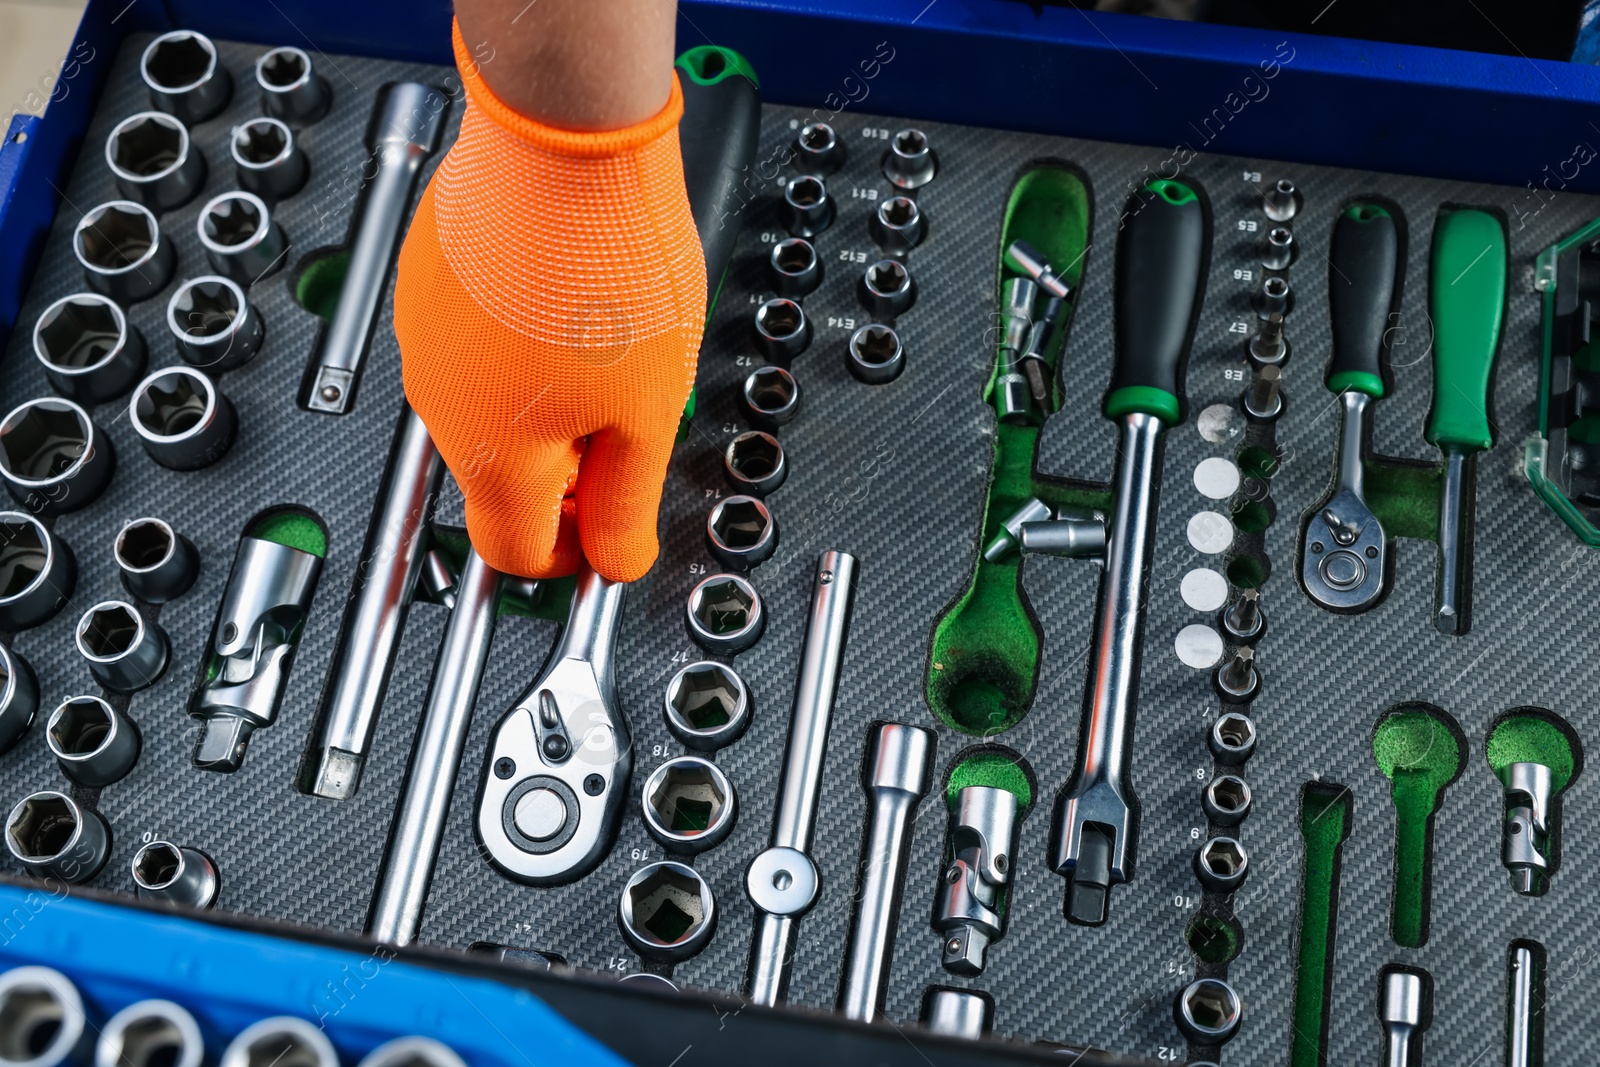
column 556, row 779
column 1161, row 258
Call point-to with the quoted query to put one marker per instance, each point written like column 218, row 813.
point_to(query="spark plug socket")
column 120, row 247
column 184, row 76
column 37, row 572
column 182, row 419
column 90, row 352
column 53, row 457
column 93, row 743
column 52, row 836
column 290, row 89
column 124, row 652
column 266, row 159
column 154, row 162
column 157, row 563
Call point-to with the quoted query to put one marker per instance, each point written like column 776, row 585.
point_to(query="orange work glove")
column 549, row 302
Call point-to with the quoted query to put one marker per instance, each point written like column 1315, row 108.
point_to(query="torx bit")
column 1242, row 620
column 1404, row 1010
column 1237, row 680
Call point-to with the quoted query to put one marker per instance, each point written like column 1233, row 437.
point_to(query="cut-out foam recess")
column 1421, row 750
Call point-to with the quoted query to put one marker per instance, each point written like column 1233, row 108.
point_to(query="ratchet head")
column 1344, row 554
column 1089, row 845
column 556, row 780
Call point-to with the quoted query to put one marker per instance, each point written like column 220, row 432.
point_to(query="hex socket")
column 124, row 652
column 771, row 397
column 184, row 77
column 290, row 89
column 93, row 743
column 818, row 149
column 214, row 323
column 119, row 246
column 19, row 698
column 1221, row 864
column 1232, row 738
column 266, row 159
column 688, row 804
column 897, row 225
column 740, row 532
column 175, row 875
column 53, row 457
column 37, row 572
column 150, row 1032
column 793, row 268
column 281, row 1039
column 875, row 355
column 707, row 705
column 754, row 464
column 412, row 1051
column 1277, row 248
column 909, row 163
column 654, row 904
column 52, row 836
column 807, row 209
column 782, row 329
column 90, row 352
column 725, row 613
column 41, row 1006
column 1226, row 800
column 182, row 419
column 157, row 563
column 1208, row 1011
column 154, row 162
column 242, row 240
column 887, row 289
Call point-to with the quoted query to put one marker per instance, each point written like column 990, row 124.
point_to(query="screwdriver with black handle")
column 1160, row 272
column 1466, row 299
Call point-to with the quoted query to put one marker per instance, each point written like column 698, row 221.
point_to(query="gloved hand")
column 549, row 302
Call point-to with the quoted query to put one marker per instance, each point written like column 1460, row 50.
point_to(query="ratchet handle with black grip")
column 719, row 133
column 1161, row 260
column 1362, row 261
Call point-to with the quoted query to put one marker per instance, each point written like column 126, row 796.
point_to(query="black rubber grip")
column 1161, row 257
column 1361, row 272
column 719, row 132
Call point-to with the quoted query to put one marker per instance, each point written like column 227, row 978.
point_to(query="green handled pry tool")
column 1343, row 556
column 1466, row 298
column 1160, row 272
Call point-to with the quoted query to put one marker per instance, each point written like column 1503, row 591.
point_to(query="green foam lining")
column 293, row 529
column 997, row 770
column 1532, row 739
column 1418, row 750
column 1324, row 825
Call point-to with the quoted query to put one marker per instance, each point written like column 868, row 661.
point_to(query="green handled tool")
column 1161, row 260
column 1466, row 298
column 1344, row 552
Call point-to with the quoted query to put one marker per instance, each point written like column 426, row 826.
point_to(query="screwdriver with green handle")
column 1160, row 275
column 1466, row 299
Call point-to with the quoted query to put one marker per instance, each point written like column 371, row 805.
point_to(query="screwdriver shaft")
column 1455, row 543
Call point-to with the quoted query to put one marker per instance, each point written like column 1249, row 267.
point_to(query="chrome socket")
column 266, row 159
column 1282, row 200
column 1268, row 347
column 887, row 289
column 818, row 149
column 897, row 225
column 741, row 532
column 957, row 1012
column 1221, row 864
column 119, row 246
column 707, row 705
column 241, row 238
column 185, row 77
column 1232, row 738
column 282, row 1039
column 654, row 904
column 909, row 163
column 151, row 157
column 725, row 613
column 807, row 209
column 874, row 354
column 1277, row 248
column 37, row 572
column 175, row 875
column 754, row 463
column 90, row 352
column 93, row 743
column 40, row 1005
column 1009, row 539
column 782, row 329
column 1263, row 400
column 1273, row 298
column 412, row 1051
column 182, row 419
column 19, row 698
column 793, row 269
column 53, row 457
column 1068, row 536
column 52, row 836
column 1226, row 800
column 290, row 89
column 771, row 397
column 1208, row 1011
column 148, row 1033
column 157, row 563
column 215, row 326
column 125, row 654
column 688, row 804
